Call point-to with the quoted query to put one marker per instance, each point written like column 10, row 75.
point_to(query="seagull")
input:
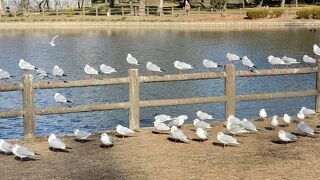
column 41, row 74
column 56, row 143
column 22, row 152
column 90, row 71
column 307, row 112
column 202, row 134
column 153, row 67
column 274, row 122
column 81, row 134
column 4, row 75
column 275, row 61
column 178, row 121
column 52, row 41
column 286, row 136
column 25, row 66
column 309, row 60
column 233, row 120
column 247, row 62
column 316, row 49
column 106, row 139
column 210, row 64
column 107, row 69
column 58, row 72
column 178, row 134
column 162, row 118
column 5, row 147
column 289, row 60
column 263, row 114
column 59, row 98
column 232, row 57
column 286, row 119
column 201, row 124
column 236, row 128
column 182, row 66
column 226, row 139
column 124, row 131
column 300, row 115
column 204, row 116
column 160, row 126
column 132, row 60
column 248, row 125
column 304, row 128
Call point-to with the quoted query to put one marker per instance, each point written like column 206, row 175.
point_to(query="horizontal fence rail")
column 134, row 103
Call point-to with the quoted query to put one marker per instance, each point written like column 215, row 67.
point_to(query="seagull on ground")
column 300, row 115
column 249, row 126
column 22, row 152
column 202, row 134
column 274, row 122
column 226, row 139
column 201, row 124
column 160, row 126
column 235, row 128
column 106, row 139
column 81, row 134
column 305, row 128
column 307, row 112
column 162, row 118
column 286, row 136
column 263, row 114
column 182, row 66
column 178, row 121
column 287, row 119
column 124, row 131
column 204, row 116
column 5, row 147
column 56, row 143
column 178, row 134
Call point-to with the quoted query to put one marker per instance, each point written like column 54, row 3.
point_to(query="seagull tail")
column 13, row 76
column 65, row 81
column 64, row 75
column 69, row 101
column 36, row 68
column 219, row 65
column 162, row 70
column 255, row 67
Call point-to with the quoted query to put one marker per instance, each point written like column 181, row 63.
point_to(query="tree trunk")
column 142, row 8
column 296, row 3
column 160, row 8
column 282, row 3
column 2, row 7
column 116, row 2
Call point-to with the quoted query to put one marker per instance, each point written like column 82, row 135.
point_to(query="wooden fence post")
column 147, row 11
column 122, row 11
column 83, row 13
column 57, row 13
column 97, row 11
column 28, row 107
column 135, row 11
column 109, row 10
column 211, row 10
column 199, row 10
column 172, row 10
column 318, row 85
column 134, row 109
column 230, row 91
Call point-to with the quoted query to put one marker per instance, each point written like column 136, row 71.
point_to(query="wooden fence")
column 134, row 104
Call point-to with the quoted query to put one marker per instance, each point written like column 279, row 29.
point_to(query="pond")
column 75, row 48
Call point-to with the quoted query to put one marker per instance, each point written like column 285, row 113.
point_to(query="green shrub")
column 257, row 13
column 70, row 12
column 276, row 13
column 305, row 13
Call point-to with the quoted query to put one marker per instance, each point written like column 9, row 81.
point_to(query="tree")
column 142, row 8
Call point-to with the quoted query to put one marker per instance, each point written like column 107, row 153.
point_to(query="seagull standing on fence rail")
column 90, row 71
column 247, row 62
column 182, row 66
column 226, row 139
column 274, row 61
column 153, row 67
column 106, row 139
column 132, row 60
column 58, row 72
column 289, row 60
column 210, row 64
column 5, row 147
column 41, row 74
column 232, row 57
column 4, row 75
column 25, row 66
column 309, row 60
column 56, row 143
column 316, row 49
column 22, row 152
column 59, row 98
column 107, row 69
column 52, row 41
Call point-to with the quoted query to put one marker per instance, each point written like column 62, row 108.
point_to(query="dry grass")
column 153, row 156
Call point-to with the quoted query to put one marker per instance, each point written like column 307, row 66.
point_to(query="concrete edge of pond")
column 222, row 25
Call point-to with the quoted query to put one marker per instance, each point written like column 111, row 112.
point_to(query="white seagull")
column 232, row 57
column 304, row 128
column 60, row 99
column 210, row 64
column 263, row 114
column 41, row 74
column 202, row 134
column 182, row 66
column 274, row 122
column 162, row 118
column 124, row 131
column 5, row 147
column 153, row 67
column 226, row 139
column 247, row 62
column 275, row 61
column 204, row 116
column 178, row 134
column 107, row 69
column 58, row 72
column 132, row 60
column 316, row 49
column 178, row 121
column 160, row 126
column 106, row 139
column 81, row 134
column 22, row 152
column 248, row 125
column 234, row 120
column 236, row 128
column 90, row 70
column 300, row 115
column 56, row 143
column 286, row 119
column 309, row 60
column 201, row 124
column 25, row 66
column 52, row 41
column 4, row 75
column 286, row 136
column 307, row 112
column 289, row 60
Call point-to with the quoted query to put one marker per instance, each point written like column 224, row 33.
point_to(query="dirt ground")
column 149, row 155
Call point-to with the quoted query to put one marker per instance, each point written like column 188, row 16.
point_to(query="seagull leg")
column 180, row 71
